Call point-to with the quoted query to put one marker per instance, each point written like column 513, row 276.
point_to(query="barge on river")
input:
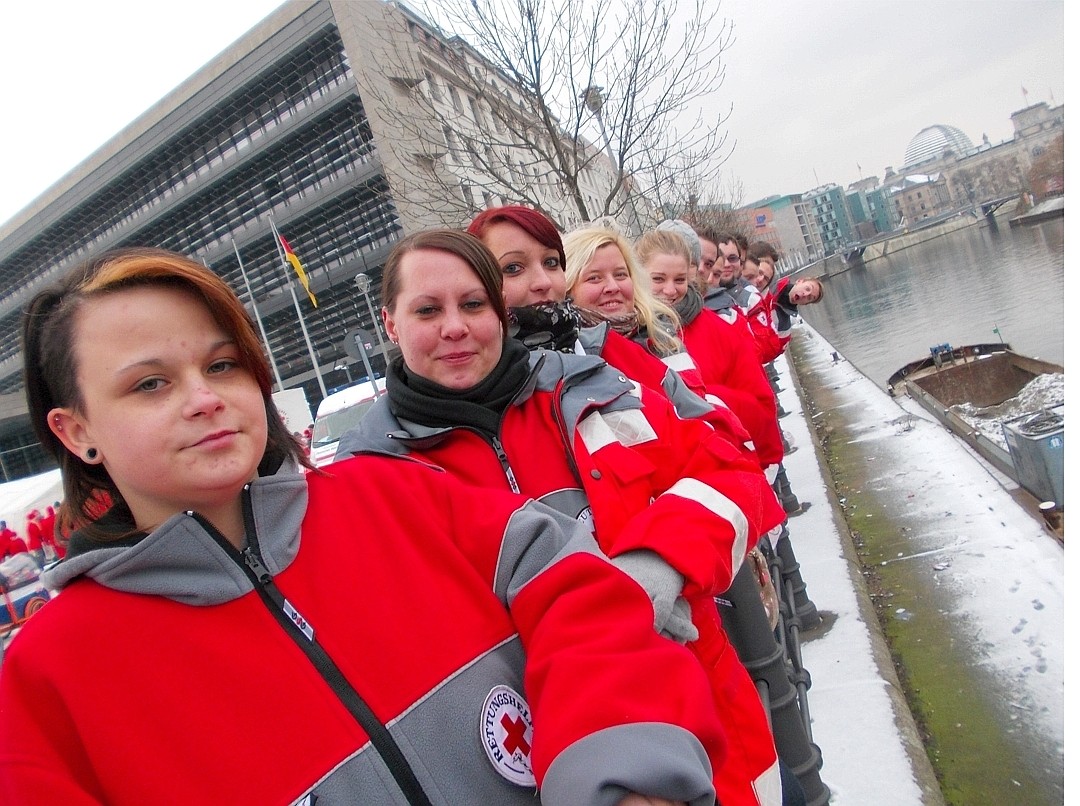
column 986, row 375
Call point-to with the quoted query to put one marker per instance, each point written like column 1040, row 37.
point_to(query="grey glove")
column 671, row 612
column 679, row 627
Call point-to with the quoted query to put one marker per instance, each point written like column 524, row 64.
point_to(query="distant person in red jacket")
column 10, row 542
column 33, row 536
column 47, row 523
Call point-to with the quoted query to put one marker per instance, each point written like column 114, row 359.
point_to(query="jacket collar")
column 182, row 561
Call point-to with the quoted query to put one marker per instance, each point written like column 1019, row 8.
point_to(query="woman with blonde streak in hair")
column 235, row 631
column 606, row 283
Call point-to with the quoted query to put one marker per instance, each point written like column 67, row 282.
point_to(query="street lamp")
column 363, row 282
column 594, row 99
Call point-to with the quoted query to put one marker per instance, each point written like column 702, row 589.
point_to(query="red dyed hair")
column 535, row 223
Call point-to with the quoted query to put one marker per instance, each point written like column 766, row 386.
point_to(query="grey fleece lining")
column 180, row 561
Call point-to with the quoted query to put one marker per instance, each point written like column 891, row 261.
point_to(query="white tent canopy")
column 20, row 496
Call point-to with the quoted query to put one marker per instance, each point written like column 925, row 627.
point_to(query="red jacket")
column 679, row 383
column 647, row 480
column 725, row 355
column 33, row 535
column 178, row 670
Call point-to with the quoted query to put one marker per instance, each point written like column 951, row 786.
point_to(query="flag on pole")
column 294, row 261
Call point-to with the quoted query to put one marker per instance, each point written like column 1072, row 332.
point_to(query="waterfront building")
column 920, row 196
column 871, row 207
column 298, row 121
column 786, row 222
column 976, row 174
column 829, row 207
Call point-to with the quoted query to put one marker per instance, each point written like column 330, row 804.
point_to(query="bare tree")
column 581, row 108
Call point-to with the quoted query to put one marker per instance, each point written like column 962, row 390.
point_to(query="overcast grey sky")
column 818, row 88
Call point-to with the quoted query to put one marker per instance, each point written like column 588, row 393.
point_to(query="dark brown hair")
column 50, row 372
column 467, row 247
column 762, row 249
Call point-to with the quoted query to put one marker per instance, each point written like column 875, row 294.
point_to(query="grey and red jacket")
column 583, row 438
column 173, row 668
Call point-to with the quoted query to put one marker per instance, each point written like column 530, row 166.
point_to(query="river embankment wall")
column 969, row 653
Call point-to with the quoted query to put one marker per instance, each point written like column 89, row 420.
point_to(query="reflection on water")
column 955, row 289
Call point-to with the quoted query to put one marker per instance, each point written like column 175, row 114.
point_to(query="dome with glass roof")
column 933, row 141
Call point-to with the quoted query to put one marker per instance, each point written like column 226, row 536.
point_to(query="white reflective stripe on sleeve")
column 767, row 786
column 626, row 427
column 720, row 404
column 680, row 361
column 718, row 503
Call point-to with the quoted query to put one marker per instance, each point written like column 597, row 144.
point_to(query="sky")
column 819, row 92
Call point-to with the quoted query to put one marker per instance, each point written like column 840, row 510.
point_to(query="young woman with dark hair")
column 670, row 501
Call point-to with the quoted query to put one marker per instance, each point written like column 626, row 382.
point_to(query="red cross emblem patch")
column 506, row 732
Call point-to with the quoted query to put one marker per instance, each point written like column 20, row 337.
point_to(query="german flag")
column 294, row 261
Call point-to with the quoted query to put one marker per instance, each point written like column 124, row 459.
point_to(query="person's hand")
column 644, row 800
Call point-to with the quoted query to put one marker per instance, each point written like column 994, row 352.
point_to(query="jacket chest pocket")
column 620, row 484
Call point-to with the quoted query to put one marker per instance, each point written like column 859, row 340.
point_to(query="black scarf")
column 783, row 300
column 425, row 402
column 689, row 306
column 545, row 326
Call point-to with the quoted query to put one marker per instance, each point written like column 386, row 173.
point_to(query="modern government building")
column 299, row 123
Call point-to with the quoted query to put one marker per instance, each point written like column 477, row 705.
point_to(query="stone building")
column 303, row 121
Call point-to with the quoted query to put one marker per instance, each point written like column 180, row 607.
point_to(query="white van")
column 337, row 414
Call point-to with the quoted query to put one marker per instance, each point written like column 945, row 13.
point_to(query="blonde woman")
column 607, row 284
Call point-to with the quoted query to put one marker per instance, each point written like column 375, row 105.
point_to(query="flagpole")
column 262, row 330
column 296, row 304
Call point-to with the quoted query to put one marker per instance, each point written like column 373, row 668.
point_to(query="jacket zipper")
column 568, row 448
column 504, row 460
column 297, row 627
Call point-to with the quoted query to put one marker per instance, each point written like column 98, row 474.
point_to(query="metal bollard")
column 782, row 486
column 748, row 629
column 803, row 611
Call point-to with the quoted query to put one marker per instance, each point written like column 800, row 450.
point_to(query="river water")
column 955, row 288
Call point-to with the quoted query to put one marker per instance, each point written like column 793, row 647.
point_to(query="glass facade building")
column 292, row 124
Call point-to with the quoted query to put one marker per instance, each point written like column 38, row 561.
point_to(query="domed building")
column 933, row 142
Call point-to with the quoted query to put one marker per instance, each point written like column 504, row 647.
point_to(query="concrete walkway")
column 870, row 746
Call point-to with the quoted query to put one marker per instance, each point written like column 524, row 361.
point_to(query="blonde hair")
column 662, row 242
column 658, row 319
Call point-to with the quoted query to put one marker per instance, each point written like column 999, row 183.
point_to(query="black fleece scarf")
column 689, row 306
column 783, row 299
column 425, row 402
column 545, row 326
